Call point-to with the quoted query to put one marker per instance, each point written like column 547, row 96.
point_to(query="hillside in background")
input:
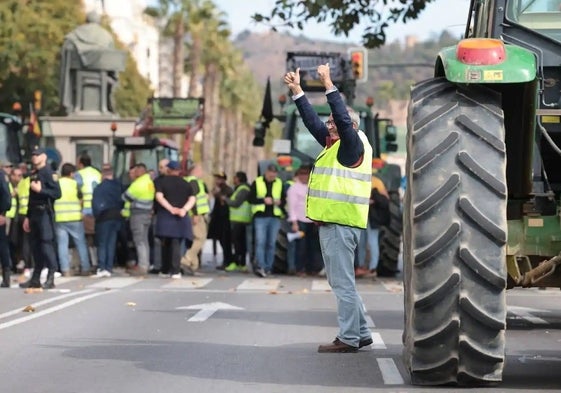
column 265, row 54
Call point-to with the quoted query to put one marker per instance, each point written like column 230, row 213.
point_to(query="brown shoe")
column 137, row 271
column 337, row 347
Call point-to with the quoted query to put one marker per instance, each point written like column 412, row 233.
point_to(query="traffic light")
column 359, row 65
column 259, row 134
column 37, row 98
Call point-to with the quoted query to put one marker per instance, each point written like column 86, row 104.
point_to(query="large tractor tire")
column 390, row 239
column 455, row 235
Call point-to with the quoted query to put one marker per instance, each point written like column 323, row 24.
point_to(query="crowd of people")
column 159, row 223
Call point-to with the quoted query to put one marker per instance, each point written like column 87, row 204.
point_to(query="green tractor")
column 298, row 147
column 481, row 208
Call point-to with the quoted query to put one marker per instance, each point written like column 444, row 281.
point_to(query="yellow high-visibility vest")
column 261, row 192
column 12, row 212
column 241, row 213
column 23, row 195
column 203, row 205
column 68, row 207
column 142, row 193
column 338, row 194
column 91, row 177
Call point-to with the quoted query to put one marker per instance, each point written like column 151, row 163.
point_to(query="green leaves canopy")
column 344, row 15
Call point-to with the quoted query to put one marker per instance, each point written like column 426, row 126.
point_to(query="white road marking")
column 187, row 283
column 258, row 284
column 65, row 280
column 390, row 372
column 377, row 342
column 207, row 310
column 321, row 285
column 113, row 283
column 393, row 286
column 46, row 301
column 526, row 313
column 50, row 310
column 370, row 322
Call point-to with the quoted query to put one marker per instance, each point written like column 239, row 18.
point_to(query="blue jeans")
column 266, row 230
column 75, row 230
column 371, row 237
column 106, row 238
column 338, row 244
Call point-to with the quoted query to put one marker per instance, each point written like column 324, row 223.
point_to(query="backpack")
column 379, row 213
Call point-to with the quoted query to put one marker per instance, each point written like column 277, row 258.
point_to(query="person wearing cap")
column 44, row 190
column 267, row 197
column 199, row 216
column 106, row 207
column 141, row 194
column 240, row 219
column 219, row 227
column 68, row 222
column 338, row 200
column 173, row 224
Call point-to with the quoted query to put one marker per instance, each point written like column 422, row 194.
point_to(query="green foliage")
column 31, row 35
column 344, row 15
column 132, row 92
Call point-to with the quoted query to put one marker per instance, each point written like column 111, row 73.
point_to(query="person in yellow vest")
column 88, row 178
column 267, row 197
column 23, row 249
column 12, row 214
column 141, row 194
column 199, row 220
column 240, row 220
column 338, row 200
column 68, row 222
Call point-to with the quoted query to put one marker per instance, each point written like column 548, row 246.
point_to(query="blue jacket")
column 107, row 199
column 351, row 148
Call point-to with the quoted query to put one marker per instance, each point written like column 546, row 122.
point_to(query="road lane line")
column 202, row 315
column 50, row 310
column 370, row 322
column 117, row 282
column 46, row 301
column 377, row 342
column 390, row 372
column 188, row 283
column 259, row 284
column 321, row 285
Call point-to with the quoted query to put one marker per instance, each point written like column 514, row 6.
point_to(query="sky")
column 438, row 16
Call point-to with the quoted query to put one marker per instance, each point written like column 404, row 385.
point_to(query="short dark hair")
column 141, row 165
column 85, row 159
column 67, row 169
column 242, row 177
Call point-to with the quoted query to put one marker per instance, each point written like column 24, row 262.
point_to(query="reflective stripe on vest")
column 338, row 194
column 91, row 177
column 12, row 212
column 241, row 213
column 202, row 204
column 126, row 210
column 142, row 193
column 261, row 192
column 23, row 195
column 68, row 207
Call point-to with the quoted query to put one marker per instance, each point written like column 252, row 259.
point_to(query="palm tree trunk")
column 178, row 56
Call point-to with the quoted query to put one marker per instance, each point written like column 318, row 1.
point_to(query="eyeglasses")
column 329, row 123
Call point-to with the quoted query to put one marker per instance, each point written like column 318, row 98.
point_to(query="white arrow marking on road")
column 206, row 310
column 526, row 313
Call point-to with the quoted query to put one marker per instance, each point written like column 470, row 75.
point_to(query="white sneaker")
column 176, row 276
column 27, row 273
column 102, row 273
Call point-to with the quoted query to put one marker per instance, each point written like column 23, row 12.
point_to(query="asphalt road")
column 234, row 333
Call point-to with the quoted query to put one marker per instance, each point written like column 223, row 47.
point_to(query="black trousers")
column 43, row 239
column 171, row 254
column 239, row 242
column 5, row 250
